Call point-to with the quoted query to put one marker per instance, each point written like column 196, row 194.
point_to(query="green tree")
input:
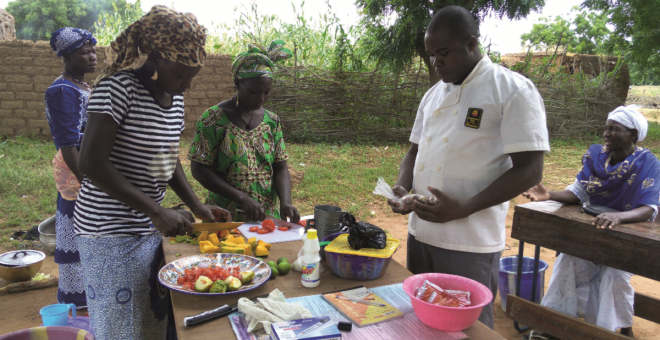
column 636, row 31
column 587, row 33
column 36, row 19
column 395, row 28
column 110, row 25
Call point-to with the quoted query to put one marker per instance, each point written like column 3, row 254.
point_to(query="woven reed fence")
column 576, row 108
column 321, row 105
column 578, row 97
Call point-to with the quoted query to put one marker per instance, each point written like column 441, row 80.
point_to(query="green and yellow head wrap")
column 259, row 61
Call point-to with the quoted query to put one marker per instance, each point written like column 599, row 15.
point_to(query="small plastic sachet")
column 432, row 293
column 407, row 201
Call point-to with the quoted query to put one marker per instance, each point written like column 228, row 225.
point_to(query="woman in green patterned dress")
column 238, row 151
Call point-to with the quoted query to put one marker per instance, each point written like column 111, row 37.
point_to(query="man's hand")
column 399, row 191
column 447, row 209
column 537, row 193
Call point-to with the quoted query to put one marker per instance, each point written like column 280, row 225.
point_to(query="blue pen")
column 314, row 327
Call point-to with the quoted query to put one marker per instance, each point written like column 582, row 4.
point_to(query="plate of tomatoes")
column 182, row 274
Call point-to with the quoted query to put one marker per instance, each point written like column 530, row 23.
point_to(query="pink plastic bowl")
column 448, row 319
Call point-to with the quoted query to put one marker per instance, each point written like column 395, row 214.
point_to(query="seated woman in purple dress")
column 618, row 175
column 66, row 111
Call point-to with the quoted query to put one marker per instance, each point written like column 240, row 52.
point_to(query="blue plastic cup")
column 57, row 315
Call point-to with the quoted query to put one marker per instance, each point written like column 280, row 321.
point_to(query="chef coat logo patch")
column 473, row 118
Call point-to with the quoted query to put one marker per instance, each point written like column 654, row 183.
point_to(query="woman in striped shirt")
column 129, row 156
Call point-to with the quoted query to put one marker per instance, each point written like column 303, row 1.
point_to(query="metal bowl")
column 47, row 235
column 22, row 272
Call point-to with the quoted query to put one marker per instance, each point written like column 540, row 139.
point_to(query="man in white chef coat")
column 477, row 142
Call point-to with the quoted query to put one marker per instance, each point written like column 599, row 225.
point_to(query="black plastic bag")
column 363, row 234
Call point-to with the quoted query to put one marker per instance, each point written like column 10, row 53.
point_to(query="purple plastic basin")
column 355, row 267
column 49, row 333
column 330, row 237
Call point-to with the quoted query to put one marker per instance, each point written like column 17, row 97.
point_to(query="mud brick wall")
column 27, row 69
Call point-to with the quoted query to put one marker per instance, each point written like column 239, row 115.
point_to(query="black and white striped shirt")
column 145, row 152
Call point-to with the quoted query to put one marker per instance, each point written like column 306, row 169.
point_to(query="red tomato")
column 263, row 231
column 254, row 228
column 283, row 228
column 302, row 222
column 268, row 224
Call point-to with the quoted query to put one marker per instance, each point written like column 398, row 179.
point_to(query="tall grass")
column 321, row 42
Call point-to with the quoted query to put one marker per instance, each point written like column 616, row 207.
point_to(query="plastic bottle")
column 310, row 260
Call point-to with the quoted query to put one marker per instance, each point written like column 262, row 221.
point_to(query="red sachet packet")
column 431, row 293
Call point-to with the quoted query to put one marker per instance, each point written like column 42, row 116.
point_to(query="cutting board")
column 277, row 236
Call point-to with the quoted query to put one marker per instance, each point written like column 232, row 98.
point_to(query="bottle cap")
column 311, row 234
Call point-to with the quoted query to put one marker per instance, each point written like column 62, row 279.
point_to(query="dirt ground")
column 21, row 310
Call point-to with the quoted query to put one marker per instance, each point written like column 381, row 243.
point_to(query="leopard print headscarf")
column 177, row 36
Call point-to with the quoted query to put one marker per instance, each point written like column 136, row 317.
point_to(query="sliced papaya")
column 267, row 245
column 261, row 250
column 204, row 236
column 211, row 249
column 214, row 239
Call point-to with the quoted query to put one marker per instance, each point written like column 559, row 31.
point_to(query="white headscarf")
column 630, row 117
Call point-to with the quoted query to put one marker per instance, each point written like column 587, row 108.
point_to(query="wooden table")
column 633, row 247
column 187, row 305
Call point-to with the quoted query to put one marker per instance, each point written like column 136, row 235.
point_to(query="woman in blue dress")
column 66, row 111
column 619, row 175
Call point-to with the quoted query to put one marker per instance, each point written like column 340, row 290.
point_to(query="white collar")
column 481, row 67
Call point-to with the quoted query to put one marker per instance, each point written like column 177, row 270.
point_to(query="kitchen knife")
column 215, row 313
column 213, row 227
column 279, row 222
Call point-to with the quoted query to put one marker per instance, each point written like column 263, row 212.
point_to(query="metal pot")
column 47, row 235
column 20, row 265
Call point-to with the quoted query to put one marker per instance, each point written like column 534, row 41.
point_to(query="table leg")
column 521, row 248
column 535, row 273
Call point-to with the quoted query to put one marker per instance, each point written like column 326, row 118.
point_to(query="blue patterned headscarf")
column 69, row 39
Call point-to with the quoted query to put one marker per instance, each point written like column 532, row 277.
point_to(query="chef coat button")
column 445, row 139
column 421, row 167
column 429, row 139
column 436, row 113
column 455, row 111
column 438, row 168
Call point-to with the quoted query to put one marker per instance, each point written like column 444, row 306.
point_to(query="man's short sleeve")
column 523, row 123
column 418, row 127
